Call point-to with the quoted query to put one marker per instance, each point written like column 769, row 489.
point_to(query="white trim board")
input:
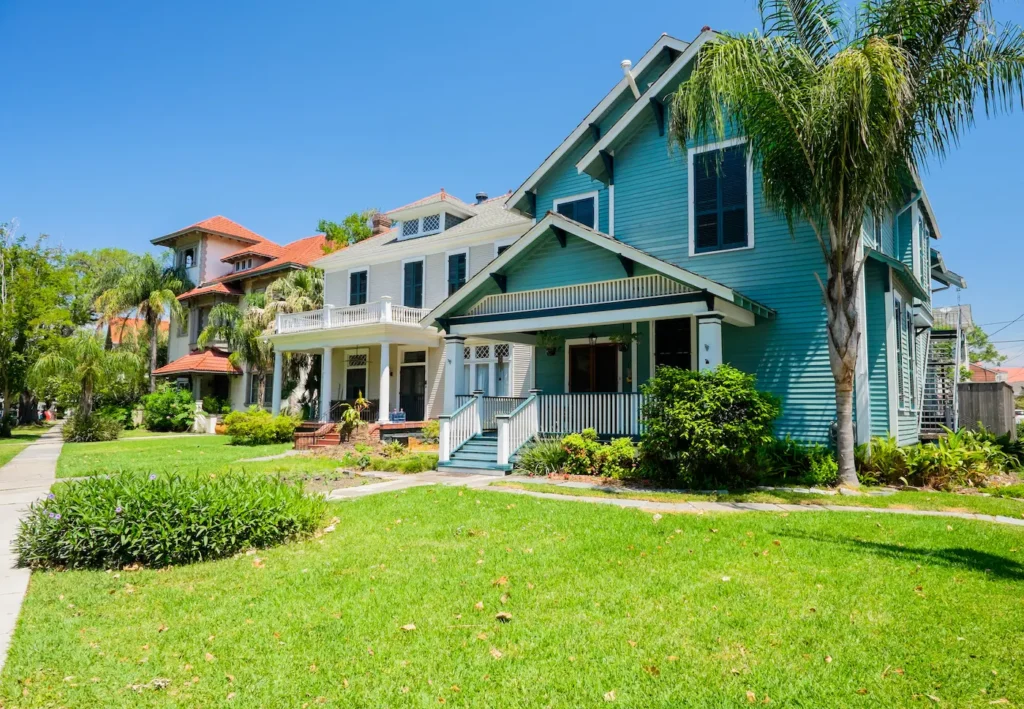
column 593, row 194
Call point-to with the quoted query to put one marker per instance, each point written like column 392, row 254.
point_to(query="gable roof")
column 441, row 196
column 207, row 362
column 665, row 41
column 216, row 287
column 221, row 226
column 267, row 249
column 558, row 221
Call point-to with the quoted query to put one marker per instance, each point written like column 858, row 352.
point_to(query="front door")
column 412, row 390
column 593, row 368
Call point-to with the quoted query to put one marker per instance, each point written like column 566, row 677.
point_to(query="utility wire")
column 1006, row 326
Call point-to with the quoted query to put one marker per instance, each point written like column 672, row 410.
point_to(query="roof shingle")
column 208, row 362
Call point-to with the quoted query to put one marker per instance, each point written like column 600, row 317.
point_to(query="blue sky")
column 123, row 121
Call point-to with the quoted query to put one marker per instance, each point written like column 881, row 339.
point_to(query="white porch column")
column 709, row 341
column 326, row 362
column 275, row 399
column 384, row 405
column 454, row 362
column 492, row 378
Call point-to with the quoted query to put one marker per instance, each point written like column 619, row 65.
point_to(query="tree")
column 83, row 364
column 838, row 117
column 147, row 288
column 353, row 229
column 245, row 331
column 97, row 271
column 980, row 349
column 297, row 292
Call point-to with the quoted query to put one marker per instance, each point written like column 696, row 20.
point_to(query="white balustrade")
column 366, row 314
column 458, row 427
column 494, row 406
column 610, row 414
column 516, row 428
column 614, row 291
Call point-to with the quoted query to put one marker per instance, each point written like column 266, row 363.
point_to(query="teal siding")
column 549, row 265
column 886, row 244
column 551, row 368
column 789, row 355
column 904, row 239
column 876, row 278
column 564, row 181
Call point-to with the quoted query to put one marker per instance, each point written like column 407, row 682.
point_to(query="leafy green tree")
column 97, row 271
column 980, row 349
column 353, row 229
column 839, row 113
column 297, row 292
column 82, row 363
column 147, row 288
column 245, row 331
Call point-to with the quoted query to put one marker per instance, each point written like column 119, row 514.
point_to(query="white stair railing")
column 516, row 428
column 457, row 428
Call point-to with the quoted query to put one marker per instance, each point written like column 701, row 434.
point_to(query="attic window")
column 411, row 227
column 188, row 258
column 243, row 264
column 424, row 226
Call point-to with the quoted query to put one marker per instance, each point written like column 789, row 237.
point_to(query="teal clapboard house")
column 644, row 254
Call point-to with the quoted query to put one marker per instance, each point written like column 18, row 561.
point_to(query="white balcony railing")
column 328, row 317
column 614, row 291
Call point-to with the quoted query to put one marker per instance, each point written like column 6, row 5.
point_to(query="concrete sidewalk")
column 26, row 478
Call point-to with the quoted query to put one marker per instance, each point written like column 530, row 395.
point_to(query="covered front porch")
column 595, row 341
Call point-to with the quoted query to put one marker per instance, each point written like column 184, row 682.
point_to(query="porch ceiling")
column 356, row 336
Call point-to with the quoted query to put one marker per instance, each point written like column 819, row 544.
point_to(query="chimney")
column 380, row 223
column 481, row 197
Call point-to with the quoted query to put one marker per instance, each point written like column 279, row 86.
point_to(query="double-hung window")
column 357, row 287
column 412, row 284
column 720, row 199
column 580, row 208
column 456, row 271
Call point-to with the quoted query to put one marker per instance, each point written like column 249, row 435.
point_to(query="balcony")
column 331, row 318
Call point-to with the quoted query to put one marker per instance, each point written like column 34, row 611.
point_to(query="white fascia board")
column 577, row 229
column 925, row 201
column 598, row 110
column 422, row 246
column 425, row 210
column 641, row 105
column 357, row 336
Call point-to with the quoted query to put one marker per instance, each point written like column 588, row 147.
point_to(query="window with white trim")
column 358, row 286
column 456, row 270
column 479, row 362
column 423, row 226
column 580, row 208
column 412, row 284
column 720, row 199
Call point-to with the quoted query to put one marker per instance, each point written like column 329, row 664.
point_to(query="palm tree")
column 83, row 363
column 839, row 114
column 245, row 331
column 297, row 292
column 147, row 289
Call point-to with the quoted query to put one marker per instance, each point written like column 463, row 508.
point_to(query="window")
column 904, row 355
column 580, row 208
column 878, row 231
column 412, row 284
column 720, row 198
column 456, row 271
column 501, row 247
column 430, row 224
column 254, row 389
column 672, row 343
column 187, row 258
column 358, row 285
column 183, row 324
column 477, row 371
column 908, row 319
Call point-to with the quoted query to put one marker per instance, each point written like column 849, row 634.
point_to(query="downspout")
column 626, row 66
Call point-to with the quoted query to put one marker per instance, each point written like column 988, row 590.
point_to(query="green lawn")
column 943, row 501
column 20, row 438
column 207, row 454
column 142, row 432
column 10, row 450
column 812, row 610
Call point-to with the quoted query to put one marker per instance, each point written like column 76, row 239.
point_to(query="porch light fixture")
column 593, row 339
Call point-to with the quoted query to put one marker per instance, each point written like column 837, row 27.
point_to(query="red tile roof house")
column 226, row 261
column 121, row 329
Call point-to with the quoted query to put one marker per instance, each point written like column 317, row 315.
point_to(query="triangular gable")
column 557, row 229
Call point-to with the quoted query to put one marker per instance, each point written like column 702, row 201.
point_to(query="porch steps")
column 479, row 455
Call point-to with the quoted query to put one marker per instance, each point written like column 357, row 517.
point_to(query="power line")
column 1006, row 326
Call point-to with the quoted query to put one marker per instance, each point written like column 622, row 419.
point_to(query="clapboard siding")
column 549, row 265
column 565, row 181
column 522, row 369
column 875, row 284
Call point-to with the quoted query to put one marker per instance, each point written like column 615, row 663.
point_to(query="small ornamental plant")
column 170, row 519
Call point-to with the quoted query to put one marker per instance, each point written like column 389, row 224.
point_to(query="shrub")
column 542, row 457
column 94, row 427
column 134, row 518
column 216, row 406
column 822, row 467
column 431, row 431
column 392, row 449
column 122, row 414
column 701, row 427
column 618, row 459
column 256, row 426
column 961, row 459
column 581, row 452
column 786, row 460
column 168, row 409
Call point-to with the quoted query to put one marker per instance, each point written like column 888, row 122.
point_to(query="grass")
column 19, row 440
column 142, row 432
column 942, row 501
column 207, row 454
column 9, row 450
column 807, row 609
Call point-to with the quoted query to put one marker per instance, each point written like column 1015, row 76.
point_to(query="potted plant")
column 624, row 339
column 549, row 341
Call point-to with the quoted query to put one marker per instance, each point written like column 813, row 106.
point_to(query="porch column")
column 275, row 399
column 384, row 405
column 709, row 341
column 492, row 378
column 326, row 362
column 454, row 362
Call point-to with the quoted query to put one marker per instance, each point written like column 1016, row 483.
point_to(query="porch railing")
column 328, row 317
column 516, row 428
column 368, row 414
column 610, row 414
column 613, row 291
column 457, row 428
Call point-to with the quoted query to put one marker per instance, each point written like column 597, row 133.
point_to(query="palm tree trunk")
column 85, row 404
column 845, row 438
column 153, row 326
column 261, row 378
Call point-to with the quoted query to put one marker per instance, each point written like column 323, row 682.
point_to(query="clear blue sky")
column 122, row 121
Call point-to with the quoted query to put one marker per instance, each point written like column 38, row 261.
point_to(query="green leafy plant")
column 785, row 460
column 618, row 459
column 215, row 405
column 701, row 427
column 624, row 339
column 431, row 431
column 256, row 427
column 392, row 449
column 581, row 451
column 168, row 409
column 135, row 518
column 958, row 459
column 542, row 456
column 87, row 428
column 549, row 342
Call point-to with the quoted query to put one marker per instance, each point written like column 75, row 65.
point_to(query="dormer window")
column 424, row 226
column 243, row 264
column 188, row 258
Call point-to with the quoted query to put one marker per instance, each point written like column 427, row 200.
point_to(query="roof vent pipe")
column 481, row 197
column 626, row 66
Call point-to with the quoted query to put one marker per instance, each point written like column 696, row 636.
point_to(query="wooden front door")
column 412, row 390
column 593, row 368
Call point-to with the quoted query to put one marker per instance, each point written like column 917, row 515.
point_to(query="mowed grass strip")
column 8, row 451
column 910, row 500
column 204, row 454
column 607, row 605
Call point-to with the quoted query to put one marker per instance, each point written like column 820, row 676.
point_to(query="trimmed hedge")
column 134, row 518
column 256, row 427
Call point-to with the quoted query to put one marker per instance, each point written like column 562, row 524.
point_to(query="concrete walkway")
column 26, row 478
column 390, row 482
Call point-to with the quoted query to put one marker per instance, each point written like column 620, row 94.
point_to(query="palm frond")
column 812, row 25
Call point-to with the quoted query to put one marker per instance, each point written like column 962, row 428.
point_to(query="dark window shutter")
column 720, row 199
column 456, row 272
column 357, row 288
column 414, row 284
